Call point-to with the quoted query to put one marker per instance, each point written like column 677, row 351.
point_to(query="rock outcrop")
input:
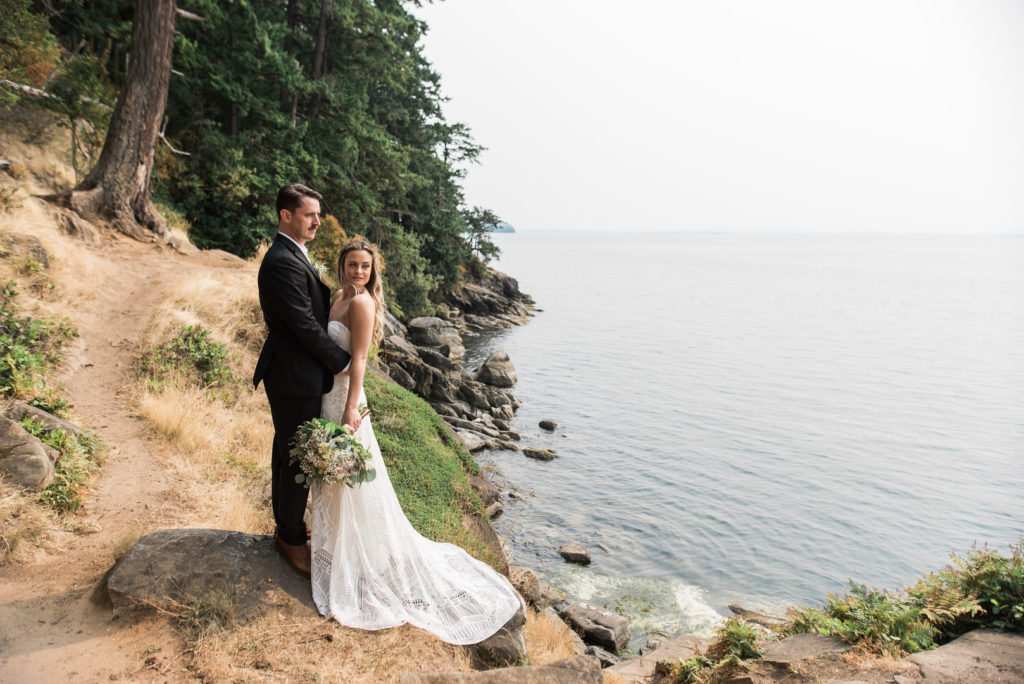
column 425, row 355
column 194, row 565
column 983, row 655
column 497, row 370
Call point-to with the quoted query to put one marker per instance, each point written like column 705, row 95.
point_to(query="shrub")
column 994, row 582
column 77, row 461
column 983, row 589
column 192, row 354
column 28, row 346
column 736, row 644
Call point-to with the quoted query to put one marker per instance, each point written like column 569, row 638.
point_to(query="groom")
column 298, row 361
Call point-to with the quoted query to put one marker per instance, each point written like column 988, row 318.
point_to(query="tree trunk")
column 117, row 188
column 320, row 53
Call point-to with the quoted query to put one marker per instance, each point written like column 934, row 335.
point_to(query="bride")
column 370, row 568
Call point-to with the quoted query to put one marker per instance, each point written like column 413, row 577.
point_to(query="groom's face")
column 301, row 224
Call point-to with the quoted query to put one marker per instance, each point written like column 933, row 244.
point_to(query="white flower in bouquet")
column 327, row 453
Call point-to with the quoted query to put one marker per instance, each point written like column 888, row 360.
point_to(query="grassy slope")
column 427, row 466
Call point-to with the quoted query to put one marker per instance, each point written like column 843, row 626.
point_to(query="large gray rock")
column 397, row 344
column 471, row 441
column 596, row 625
column 575, row 670
column 607, row 659
column 179, row 564
column 488, row 491
column 802, row 647
column 431, row 331
column 18, row 410
column 526, row 583
column 497, row 370
column 23, row 458
column 393, row 326
column 27, row 248
column 401, row 377
column 979, row 656
column 505, row 647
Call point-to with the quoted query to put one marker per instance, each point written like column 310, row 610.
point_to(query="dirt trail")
column 50, row 629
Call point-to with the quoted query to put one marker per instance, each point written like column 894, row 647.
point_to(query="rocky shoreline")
column 426, row 354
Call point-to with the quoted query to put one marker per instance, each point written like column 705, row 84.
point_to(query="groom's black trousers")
column 287, row 497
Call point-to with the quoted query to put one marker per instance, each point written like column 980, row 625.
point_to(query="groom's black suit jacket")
column 298, row 358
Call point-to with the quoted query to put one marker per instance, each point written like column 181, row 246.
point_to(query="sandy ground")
column 50, row 628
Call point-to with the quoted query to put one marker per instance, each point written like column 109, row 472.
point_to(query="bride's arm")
column 361, row 313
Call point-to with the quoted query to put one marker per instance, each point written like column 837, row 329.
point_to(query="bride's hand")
column 352, row 418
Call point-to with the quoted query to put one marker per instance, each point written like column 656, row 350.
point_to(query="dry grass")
column 224, row 302
column 127, row 540
column 275, row 648
column 220, row 456
column 222, row 449
column 25, row 525
column 547, row 639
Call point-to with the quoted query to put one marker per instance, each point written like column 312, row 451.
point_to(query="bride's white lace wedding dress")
column 372, row 570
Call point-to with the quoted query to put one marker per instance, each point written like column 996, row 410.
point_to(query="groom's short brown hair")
column 290, row 196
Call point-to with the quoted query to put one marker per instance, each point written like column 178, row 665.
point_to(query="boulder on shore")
column 548, row 425
column 539, row 454
column 596, row 625
column 497, row 370
column 574, row 553
column 430, row 331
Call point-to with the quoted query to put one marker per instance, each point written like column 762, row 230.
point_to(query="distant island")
column 502, row 227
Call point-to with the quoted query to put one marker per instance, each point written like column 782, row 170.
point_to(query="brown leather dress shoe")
column 296, row 556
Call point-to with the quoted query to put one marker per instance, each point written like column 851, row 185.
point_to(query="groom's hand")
column 352, row 418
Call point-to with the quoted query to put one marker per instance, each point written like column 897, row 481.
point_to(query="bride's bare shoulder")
column 361, row 304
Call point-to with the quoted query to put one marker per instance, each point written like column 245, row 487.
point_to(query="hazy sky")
column 864, row 115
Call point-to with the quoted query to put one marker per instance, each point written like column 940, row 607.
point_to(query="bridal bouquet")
column 329, row 453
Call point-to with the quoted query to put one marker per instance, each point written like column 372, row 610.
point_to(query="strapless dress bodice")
column 340, row 334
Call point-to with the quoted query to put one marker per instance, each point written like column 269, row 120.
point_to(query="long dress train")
column 372, row 570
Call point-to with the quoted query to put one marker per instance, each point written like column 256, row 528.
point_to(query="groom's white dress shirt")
column 305, row 253
column 302, row 248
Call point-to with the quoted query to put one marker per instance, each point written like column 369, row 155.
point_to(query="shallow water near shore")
column 756, row 419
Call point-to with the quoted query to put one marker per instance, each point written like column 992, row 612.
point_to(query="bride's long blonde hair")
column 373, row 286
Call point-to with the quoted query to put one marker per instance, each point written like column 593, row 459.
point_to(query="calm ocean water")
column 757, row 419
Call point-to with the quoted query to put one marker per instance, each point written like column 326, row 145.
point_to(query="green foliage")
column 479, row 225
column 79, row 99
column 28, row 347
column 983, row 589
column 736, row 644
column 993, row 585
column 891, row 623
column 426, row 465
column 191, row 354
column 28, row 51
column 78, row 459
